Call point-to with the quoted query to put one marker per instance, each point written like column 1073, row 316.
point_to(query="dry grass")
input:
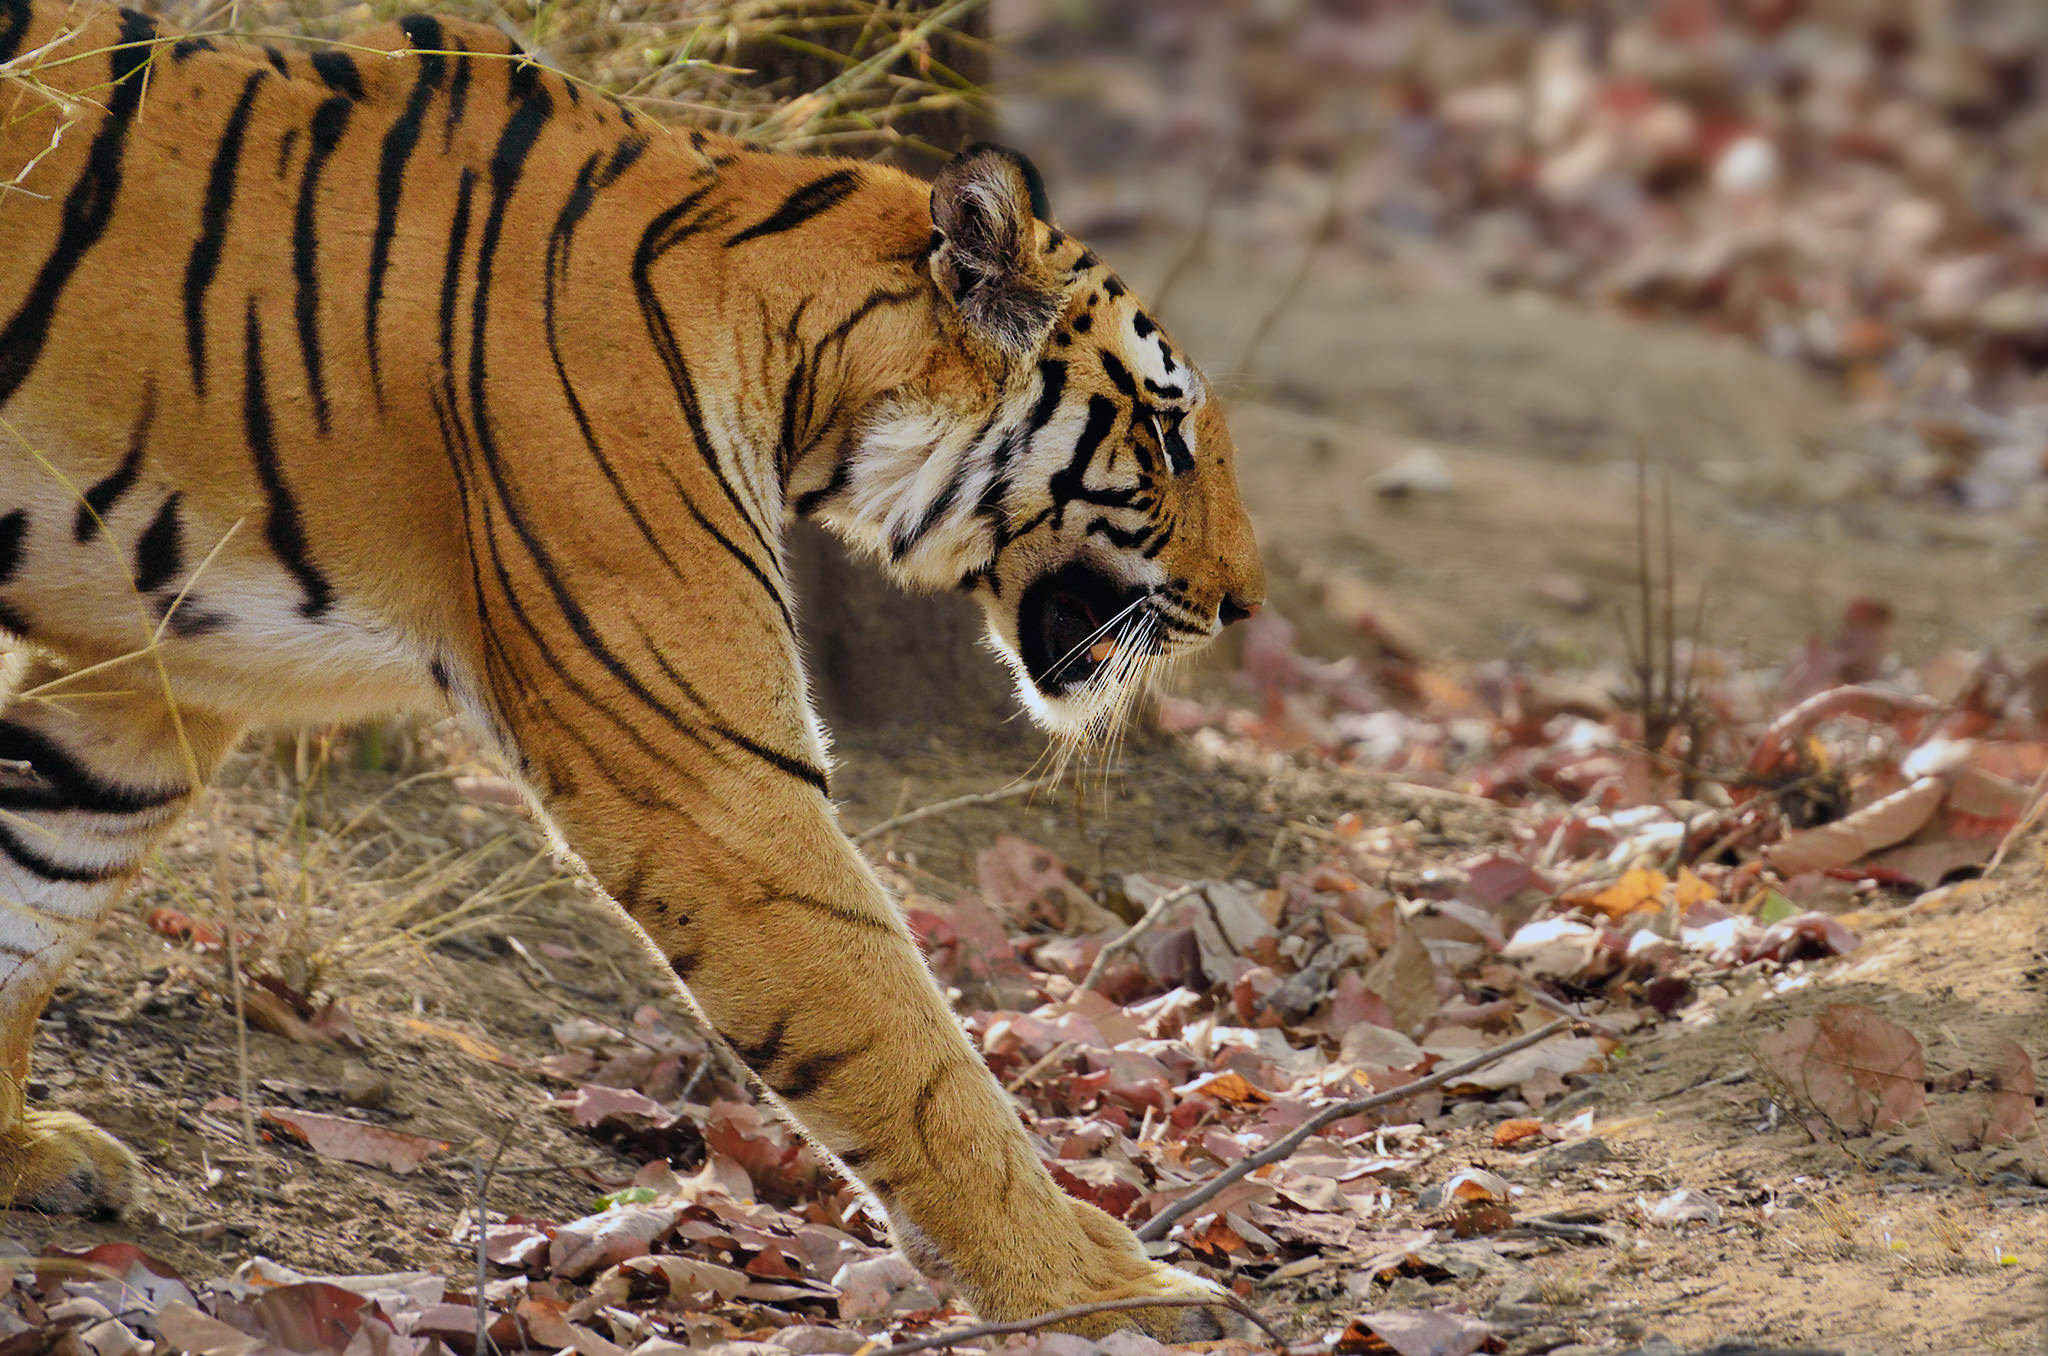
column 345, row 871
column 799, row 75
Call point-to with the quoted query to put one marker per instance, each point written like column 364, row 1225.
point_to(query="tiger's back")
column 407, row 374
column 298, row 256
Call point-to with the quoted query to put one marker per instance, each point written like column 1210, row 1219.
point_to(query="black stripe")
column 400, row 142
column 818, row 196
column 809, row 502
column 191, row 619
column 514, row 144
column 949, row 494
column 88, row 207
column 160, row 551
column 794, row 766
column 1102, row 416
column 451, row 277
column 213, row 228
column 1118, row 537
column 684, row 964
column 68, row 784
column 186, row 48
column 337, row 70
column 285, row 144
column 763, row 1053
column 664, row 231
column 36, row 863
column 1177, row 454
column 854, row 917
column 642, row 793
column 1052, row 376
column 811, row 1072
column 283, row 530
column 278, row 62
column 458, row 97
column 1119, row 375
column 498, row 664
column 330, row 120
column 13, row 529
column 921, row 1106
column 731, row 547
column 785, row 442
column 14, row 21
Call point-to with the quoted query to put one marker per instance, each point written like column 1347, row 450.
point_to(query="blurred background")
column 1474, row 259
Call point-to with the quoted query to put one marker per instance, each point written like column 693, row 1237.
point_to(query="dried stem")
column 1156, row 1227
column 1139, row 929
column 958, row 1335
column 484, row 1173
column 939, row 807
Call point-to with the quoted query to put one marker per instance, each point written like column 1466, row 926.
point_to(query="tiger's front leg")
column 795, row 955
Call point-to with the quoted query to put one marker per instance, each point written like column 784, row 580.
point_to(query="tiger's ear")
column 984, row 254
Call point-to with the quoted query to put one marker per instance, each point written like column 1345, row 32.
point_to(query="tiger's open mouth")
column 1070, row 624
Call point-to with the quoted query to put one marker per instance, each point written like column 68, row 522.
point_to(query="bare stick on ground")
column 484, row 1173
column 1138, row 929
column 1156, row 1227
column 939, row 807
column 947, row 1339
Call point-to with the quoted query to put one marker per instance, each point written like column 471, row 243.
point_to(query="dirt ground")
column 1860, row 1247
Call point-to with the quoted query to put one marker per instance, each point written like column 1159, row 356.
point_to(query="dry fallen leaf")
column 354, row 1141
column 1413, row 1332
column 1855, row 1067
column 1560, row 1055
column 1637, row 889
column 1876, row 826
column 1515, row 1130
column 2012, row 1113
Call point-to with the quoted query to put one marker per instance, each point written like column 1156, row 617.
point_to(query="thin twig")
column 484, row 1173
column 1038, row 1066
column 1156, row 1227
column 2037, row 801
column 818, row 101
column 1139, row 929
column 1326, row 230
column 947, row 1339
column 939, row 807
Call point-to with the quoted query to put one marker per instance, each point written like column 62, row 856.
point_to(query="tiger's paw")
column 1179, row 1323
column 63, row 1164
column 1110, row 1265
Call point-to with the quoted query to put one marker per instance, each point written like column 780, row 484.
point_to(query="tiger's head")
column 1065, row 462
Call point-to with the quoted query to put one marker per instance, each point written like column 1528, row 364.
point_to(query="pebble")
column 1577, row 1153
column 1425, row 471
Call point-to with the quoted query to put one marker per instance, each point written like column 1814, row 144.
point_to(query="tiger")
column 335, row 384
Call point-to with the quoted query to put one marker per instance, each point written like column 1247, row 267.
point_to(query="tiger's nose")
column 1232, row 609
